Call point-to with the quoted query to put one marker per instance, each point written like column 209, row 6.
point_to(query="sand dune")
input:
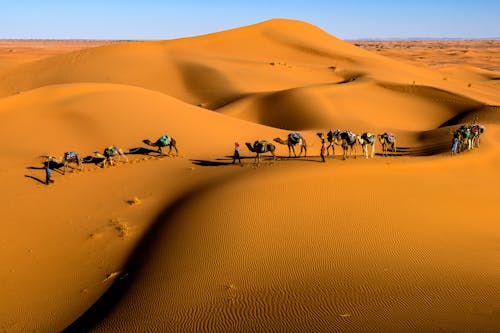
column 90, row 117
column 346, row 261
column 192, row 243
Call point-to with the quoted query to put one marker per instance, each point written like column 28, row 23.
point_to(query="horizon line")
column 159, row 39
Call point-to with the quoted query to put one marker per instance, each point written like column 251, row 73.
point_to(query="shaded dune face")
column 192, row 244
column 312, row 269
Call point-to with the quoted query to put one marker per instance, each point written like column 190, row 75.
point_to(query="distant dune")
column 191, row 243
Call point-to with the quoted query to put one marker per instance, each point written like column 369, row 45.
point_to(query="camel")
column 476, row 131
column 464, row 138
column 365, row 140
column 347, row 140
column 261, row 147
column 109, row 154
column 387, row 140
column 293, row 140
column 163, row 141
column 332, row 141
column 68, row 157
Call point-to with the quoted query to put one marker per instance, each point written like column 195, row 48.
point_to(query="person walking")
column 48, row 173
column 322, row 152
column 236, row 155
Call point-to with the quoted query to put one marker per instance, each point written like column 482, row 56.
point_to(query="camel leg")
column 328, row 149
column 373, row 150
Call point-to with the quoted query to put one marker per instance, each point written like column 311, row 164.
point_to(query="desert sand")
column 193, row 243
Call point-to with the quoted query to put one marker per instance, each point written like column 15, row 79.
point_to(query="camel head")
column 249, row 146
column 320, row 135
column 98, row 154
column 147, row 141
column 50, row 158
column 279, row 140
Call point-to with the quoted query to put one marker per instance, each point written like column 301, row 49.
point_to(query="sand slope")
column 316, row 252
column 191, row 243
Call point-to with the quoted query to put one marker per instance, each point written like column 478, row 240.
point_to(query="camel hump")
column 390, row 137
column 349, row 136
column 110, row 151
column 70, row 155
column 368, row 136
column 164, row 140
column 294, row 137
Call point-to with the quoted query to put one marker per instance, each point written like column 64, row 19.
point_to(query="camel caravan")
column 348, row 140
column 109, row 157
column 466, row 137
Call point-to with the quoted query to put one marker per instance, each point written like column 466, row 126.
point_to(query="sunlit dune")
column 188, row 241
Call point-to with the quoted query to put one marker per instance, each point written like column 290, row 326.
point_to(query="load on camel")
column 294, row 139
column 261, row 147
column 163, row 141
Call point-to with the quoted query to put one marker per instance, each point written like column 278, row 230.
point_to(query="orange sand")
column 194, row 244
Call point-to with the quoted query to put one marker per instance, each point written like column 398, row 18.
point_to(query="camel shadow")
column 141, row 151
column 92, row 160
column 314, row 159
column 52, row 165
column 428, row 150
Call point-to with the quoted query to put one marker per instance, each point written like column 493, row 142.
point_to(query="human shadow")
column 221, row 161
column 35, row 178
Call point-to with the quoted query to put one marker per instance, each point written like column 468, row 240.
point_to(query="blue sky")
column 155, row 19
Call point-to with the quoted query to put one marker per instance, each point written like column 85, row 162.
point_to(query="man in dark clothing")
column 48, row 173
column 236, row 155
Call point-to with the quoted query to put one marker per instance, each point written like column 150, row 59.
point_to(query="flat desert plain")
column 189, row 242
